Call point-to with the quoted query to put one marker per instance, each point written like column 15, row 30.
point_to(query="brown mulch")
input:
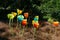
column 47, row 32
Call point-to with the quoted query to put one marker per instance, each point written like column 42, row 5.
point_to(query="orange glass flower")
column 56, row 23
column 36, row 25
column 26, row 15
column 24, row 22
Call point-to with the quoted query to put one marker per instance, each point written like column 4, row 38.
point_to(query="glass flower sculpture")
column 20, row 18
column 19, row 11
column 26, row 15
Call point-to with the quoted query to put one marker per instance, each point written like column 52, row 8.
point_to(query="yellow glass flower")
column 36, row 16
column 33, row 21
column 10, row 16
column 14, row 13
column 25, row 19
column 19, row 11
column 36, row 21
column 50, row 20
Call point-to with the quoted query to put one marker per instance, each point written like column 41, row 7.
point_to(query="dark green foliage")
column 34, row 7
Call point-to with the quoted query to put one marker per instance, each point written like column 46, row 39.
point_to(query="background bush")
column 34, row 7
